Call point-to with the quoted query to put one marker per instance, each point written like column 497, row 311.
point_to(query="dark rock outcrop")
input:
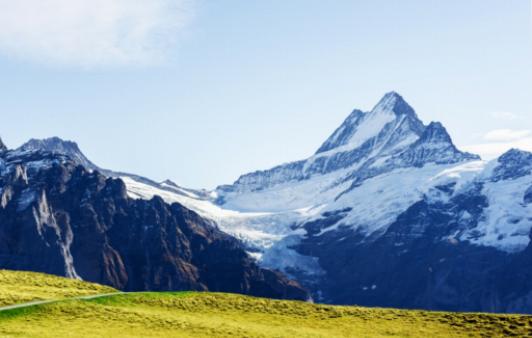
column 513, row 164
column 2, row 146
column 57, row 217
column 421, row 261
column 528, row 196
column 434, row 146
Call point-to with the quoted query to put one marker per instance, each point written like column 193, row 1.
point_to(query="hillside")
column 61, row 218
column 192, row 314
column 21, row 287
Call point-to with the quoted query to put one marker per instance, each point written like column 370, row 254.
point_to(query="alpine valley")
column 387, row 212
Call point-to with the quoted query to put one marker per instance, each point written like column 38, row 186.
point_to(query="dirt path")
column 50, row 301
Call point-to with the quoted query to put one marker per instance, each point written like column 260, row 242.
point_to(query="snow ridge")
column 56, row 145
column 389, row 136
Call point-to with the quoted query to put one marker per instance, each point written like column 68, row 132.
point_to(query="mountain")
column 387, row 212
column 55, row 145
column 61, row 218
column 388, row 136
column 463, row 245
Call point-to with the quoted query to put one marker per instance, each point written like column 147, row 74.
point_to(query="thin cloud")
column 91, row 33
column 501, row 140
column 505, row 116
column 506, row 135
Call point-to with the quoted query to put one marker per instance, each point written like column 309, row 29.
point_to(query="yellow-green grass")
column 191, row 314
column 20, row 287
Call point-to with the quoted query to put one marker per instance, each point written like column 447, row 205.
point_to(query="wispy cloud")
column 506, row 135
column 505, row 116
column 91, row 33
column 498, row 141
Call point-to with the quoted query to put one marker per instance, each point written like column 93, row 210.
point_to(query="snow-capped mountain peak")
column 388, row 137
column 516, row 157
column 344, row 133
column 433, row 146
column 435, row 132
column 393, row 102
column 436, row 138
column 359, row 126
column 57, row 145
column 513, row 164
column 170, row 183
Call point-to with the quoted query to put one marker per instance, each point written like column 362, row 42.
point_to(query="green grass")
column 21, row 287
column 191, row 314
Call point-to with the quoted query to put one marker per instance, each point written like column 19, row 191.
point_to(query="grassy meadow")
column 191, row 314
column 21, row 287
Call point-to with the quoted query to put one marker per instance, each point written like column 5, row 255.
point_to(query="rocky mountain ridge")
column 59, row 217
column 387, row 212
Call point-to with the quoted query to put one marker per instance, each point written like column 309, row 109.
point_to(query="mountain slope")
column 21, row 287
column 192, row 314
column 370, row 154
column 362, row 143
column 387, row 196
column 60, row 218
column 465, row 245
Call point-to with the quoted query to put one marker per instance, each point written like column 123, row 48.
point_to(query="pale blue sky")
column 237, row 86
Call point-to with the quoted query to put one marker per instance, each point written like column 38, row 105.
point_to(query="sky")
column 202, row 91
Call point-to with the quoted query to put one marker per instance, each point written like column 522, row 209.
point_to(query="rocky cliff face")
column 57, row 217
column 2, row 146
column 528, row 196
